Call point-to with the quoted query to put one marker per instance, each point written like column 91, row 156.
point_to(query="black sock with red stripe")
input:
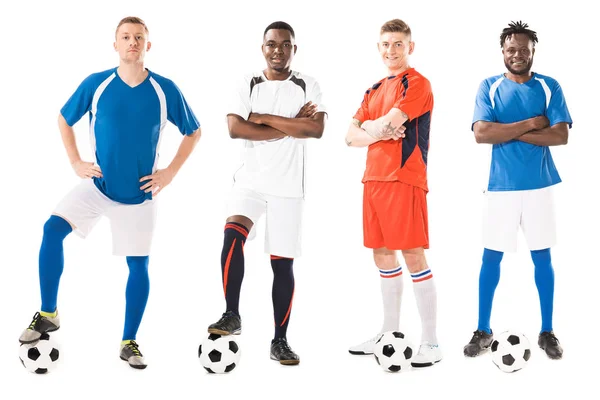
column 283, row 293
column 232, row 264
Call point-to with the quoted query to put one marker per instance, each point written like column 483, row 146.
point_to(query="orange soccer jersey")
column 400, row 160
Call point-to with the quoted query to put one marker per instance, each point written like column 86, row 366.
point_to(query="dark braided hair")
column 515, row 28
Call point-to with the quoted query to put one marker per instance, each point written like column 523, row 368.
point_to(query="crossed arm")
column 389, row 126
column 308, row 123
column 536, row 130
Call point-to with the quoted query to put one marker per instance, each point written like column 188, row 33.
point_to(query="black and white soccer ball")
column 393, row 352
column 219, row 354
column 40, row 357
column 510, row 351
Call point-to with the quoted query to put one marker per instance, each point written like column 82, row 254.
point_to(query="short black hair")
column 516, row 28
column 280, row 25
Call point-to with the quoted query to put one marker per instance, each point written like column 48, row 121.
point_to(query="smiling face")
column 132, row 43
column 518, row 53
column 394, row 48
column 278, row 49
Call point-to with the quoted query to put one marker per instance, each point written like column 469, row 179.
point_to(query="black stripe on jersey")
column 405, row 84
column 417, row 133
column 299, row 82
column 255, row 81
column 376, row 86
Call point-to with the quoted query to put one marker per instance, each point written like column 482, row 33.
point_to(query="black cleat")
column 229, row 324
column 549, row 343
column 282, row 352
column 38, row 326
column 480, row 342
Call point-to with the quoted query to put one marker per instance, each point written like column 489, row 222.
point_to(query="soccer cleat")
column 282, row 352
column 131, row 353
column 549, row 343
column 480, row 342
column 38, row 326
column 428, row 355
column 229, row 324
column 365, row 348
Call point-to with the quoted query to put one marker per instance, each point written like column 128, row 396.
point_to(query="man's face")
column 278, row 49
column 518, row 53
column 132, row 43
column 394, row 48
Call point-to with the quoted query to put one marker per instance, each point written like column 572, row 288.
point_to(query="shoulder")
column 161, row 80
column 96, row 78
column 415, row 77
column 306, row 78
column 551, row 82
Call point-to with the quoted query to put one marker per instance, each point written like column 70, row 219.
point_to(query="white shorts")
column 284, row 219
column 132, row 225
column 505, row 212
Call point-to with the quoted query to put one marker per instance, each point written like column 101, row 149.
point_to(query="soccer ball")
column 39, row 357
column 510, row 351
column 393, row 352
column 219, row 353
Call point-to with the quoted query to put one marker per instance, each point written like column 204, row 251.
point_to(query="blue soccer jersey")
column 126, row 125
column 518, row 165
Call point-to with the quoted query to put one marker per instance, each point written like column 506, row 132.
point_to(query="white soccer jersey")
column 274, row 167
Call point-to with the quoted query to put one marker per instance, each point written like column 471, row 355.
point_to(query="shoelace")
column 133, row 346
column 552, row 340
column 282, row 345
column 36, row 318
column 476, row 336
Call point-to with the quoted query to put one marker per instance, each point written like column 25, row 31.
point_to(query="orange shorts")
column 394, row 216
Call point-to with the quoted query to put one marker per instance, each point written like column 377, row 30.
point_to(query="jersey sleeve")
column 240, row 99
column 362, row 114
column 483, row 105
column 557, row 111
column 315, row 96
column 80, row 102
column 416, row 98
column 179, row 113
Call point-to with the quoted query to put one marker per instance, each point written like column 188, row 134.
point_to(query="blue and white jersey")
column 517, row 165
column 126, row 127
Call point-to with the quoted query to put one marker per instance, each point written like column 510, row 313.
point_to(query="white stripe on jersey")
column 163, row 117
column 546, row 90
column 95, row 99
column 493, row 89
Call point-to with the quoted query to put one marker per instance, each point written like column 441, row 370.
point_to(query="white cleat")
column 428, row 355
column 365, row 348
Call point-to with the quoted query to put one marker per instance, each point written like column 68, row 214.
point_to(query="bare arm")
column 239, row 128
column 358, row 137
column 82, row 168
column 554, row 135
column 162, row 177
column 495, row 132
column 390, row 126
column 301, row 128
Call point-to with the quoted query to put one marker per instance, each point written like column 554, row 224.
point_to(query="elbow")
column 565, row 139
column 233, row 134
column 479, row 137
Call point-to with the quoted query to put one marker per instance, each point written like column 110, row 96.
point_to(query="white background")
column 48, row 48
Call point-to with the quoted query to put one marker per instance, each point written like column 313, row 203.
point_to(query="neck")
column 274, row 75
column 519, row 78
column 398, row 71
column 132, row 73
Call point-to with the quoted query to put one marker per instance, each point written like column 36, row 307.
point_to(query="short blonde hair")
column 132, row 20
column 395, row 25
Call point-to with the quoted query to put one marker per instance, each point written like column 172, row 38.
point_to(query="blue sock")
column 52, row 261
column 488, row 280
column 136, row 295
column 544, row 280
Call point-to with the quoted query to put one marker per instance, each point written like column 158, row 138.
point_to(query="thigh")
column 246, row 203
column 501, row 220
column 83, row 206
column 539, row 221
column 372, row 235
column 132, row 228
column 283, row 234
column 402, row 211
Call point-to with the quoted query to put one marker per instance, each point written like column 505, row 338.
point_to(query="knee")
column 492, row 256
column 541, row 257
column 138, row 264
column 386, row 261
column 57, row 227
